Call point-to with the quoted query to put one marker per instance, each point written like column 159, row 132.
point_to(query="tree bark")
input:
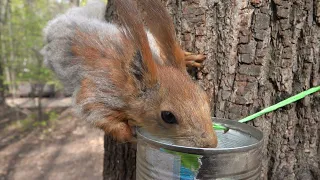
column 119, row 160
column 259, row 53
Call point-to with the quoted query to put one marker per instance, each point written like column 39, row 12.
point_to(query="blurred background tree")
column 21, row 26
column 22, row 22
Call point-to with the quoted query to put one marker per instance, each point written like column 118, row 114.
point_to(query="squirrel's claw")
column 193, row 64
column 193, row 60
column 194, row 57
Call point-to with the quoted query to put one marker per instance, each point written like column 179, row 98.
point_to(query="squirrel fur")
column 131, row 74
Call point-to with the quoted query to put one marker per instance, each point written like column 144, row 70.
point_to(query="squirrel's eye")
column 168, row 117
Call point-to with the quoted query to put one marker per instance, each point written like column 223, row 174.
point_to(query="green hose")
column 273, row 107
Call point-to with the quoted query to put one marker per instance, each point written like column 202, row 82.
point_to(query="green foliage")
column 40, row 123
column 52, row 115
column 37, row 74
column 84, row 2
column 23, row 124
column 31, row 121
column 21, row 38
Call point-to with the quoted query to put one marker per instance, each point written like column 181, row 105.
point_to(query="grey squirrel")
column 127, row 75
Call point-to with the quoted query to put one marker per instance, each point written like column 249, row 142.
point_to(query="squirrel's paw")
column 120, row 131
column 193, row 60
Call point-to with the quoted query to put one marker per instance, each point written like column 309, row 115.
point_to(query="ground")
column 63, row 148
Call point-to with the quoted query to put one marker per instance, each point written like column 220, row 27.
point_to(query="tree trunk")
column 40, row 84
column 259, row 53
column 40, row 93
column 119, row 160
column 2, row 86
column 3, row 9
column 75, row 3
column 11, row 74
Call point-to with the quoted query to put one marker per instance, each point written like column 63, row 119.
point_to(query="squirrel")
column 132, row 74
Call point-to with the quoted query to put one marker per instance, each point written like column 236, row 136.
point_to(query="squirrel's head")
column 117, row 81
column 167, row 103
column 175, row 109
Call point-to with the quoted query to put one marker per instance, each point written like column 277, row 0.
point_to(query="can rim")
column 231, row 124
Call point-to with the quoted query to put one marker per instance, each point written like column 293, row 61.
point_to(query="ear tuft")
column 136, row 66
column 134, row 30
column 161, row 26
column 138, row 71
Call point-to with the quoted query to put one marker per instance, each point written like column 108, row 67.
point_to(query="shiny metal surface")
column 238, row 156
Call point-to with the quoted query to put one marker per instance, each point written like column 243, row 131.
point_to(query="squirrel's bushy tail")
column 91, row 57
column 60, row 33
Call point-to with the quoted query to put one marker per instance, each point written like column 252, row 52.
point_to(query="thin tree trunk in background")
column 2, row 99
column 75, row 2
column 3, row 9
column 2, row 86
column 40, row 113
column 10, row 73
column 39, row 85
column 258, row 53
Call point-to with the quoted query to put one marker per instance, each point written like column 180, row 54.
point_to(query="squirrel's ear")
column 133, row 29
column 160, row 25
column 138, row 71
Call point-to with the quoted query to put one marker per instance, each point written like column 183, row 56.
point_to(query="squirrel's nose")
column 209, row 140
column 204, row 135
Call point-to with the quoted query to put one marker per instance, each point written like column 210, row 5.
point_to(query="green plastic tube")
column 273, row 107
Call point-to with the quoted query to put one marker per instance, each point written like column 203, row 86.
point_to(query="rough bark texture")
column 259, row 53
column 119, row 160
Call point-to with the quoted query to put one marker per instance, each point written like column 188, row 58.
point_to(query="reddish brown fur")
column 129, row 17
column 108, row 60
column 161, row 27
column 88, row 53
column 176, row 91
column 192, row 97
column 114, row 123
column 189, row 104
column 117, row 68
column 87, row 46
column 119, row 128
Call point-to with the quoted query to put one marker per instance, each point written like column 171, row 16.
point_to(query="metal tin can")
column 238, row 156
